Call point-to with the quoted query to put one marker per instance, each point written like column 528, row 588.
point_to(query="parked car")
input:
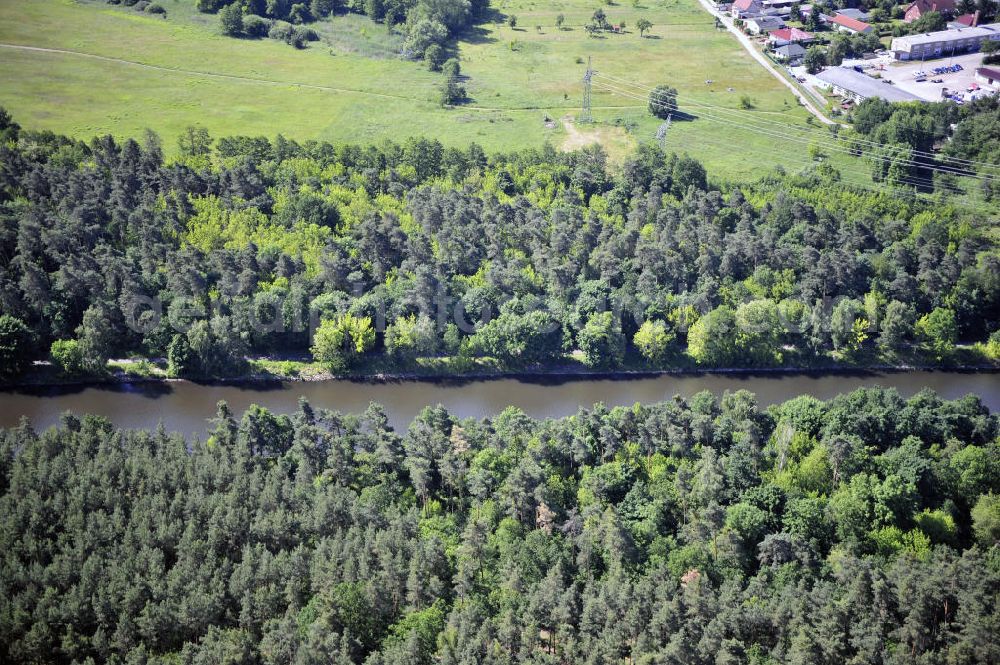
column 937, row 80
column 921, row 79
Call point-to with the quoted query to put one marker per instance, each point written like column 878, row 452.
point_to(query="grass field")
column 167, row 74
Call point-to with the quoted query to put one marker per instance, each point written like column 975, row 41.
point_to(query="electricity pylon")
column 587, row 115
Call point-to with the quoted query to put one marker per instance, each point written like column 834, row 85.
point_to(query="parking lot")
column 904, row 75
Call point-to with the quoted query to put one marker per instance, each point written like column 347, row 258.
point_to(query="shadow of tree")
column 476, row 34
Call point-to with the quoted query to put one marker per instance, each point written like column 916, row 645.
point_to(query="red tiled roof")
column 966, row 19
column 851, row 23
column 743, row 5
column 989, row 72
column 925, row 6
column 791, row 34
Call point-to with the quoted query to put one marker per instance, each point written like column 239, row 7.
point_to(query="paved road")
column 763, row 60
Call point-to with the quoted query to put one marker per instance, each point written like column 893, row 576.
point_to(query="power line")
column 956, row 161
column 856, row 179
column 805, row 130
column 853, row 180
column 861, row 177
column 830, row 144
column 835, row 147
column 912, row 180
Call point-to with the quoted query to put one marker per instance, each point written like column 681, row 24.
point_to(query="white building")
column 988, row 76
column 943, row 43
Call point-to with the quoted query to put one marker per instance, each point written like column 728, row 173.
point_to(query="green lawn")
column 362, row 92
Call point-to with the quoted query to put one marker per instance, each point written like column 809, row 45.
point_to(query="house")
column 747, row 8
column 988, row 76
column 763, row 24
column 943, row 42
column 965, row 21
column 856, row 14
column 785, row 36
column 858, row 87
column 918, row 8
column 850, row 25
column 781, row 8
column 790, row 53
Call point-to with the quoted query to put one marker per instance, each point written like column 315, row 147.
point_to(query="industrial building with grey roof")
column 859, row 87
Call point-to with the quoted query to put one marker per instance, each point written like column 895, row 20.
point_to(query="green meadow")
column 118, row 71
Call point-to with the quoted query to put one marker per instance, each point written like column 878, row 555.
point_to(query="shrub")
column 601, row 341
column 434, row 57
column 421, row 35
column 653, row 340
column 256, row 26
column 993, row 346
column 282, row 31
column 411, row 337
column 140, row 6
column 156, row 9
column 302, row 36
column 938, row 331
column 452, row 93
column 452, row 69
column 339, row 342
column 67, row 355
column 179, row 356
column 231, row 19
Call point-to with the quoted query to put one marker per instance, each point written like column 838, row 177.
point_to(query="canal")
column 185, row 406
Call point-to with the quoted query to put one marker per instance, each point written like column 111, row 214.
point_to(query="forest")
column 905, row 135
column 379, row 256
column 705, row 530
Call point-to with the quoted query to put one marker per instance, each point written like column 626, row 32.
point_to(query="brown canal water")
column 184, row 407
